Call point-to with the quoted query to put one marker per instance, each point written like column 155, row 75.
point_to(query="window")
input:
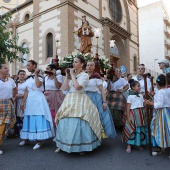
column 116, row 10
column 49, row 40
column 27, row 17
column 24, row 56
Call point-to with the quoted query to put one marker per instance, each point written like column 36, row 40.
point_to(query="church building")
column 37, row 22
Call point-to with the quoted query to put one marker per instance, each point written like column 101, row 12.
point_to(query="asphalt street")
column 110, row 155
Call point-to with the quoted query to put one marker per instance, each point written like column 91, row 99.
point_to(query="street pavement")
column 110, row 155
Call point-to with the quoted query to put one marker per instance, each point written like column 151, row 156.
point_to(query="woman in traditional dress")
column 116, row 100
column 135, row 131
column 78, row 121
column 160, row 124
column 21, row 87
column 37, row 124
column 94, row 89
column 53, row 93
column 7, row 113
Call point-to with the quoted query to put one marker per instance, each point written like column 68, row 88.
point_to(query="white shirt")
column 30, row 84
column 50, row 83
column 135, row 101
column 119, row 84
column 21, row 87
column 161, row 99
column 82, row 80
column 142, row 85
column 6, row 88
column 93, row 85
column 105, row 84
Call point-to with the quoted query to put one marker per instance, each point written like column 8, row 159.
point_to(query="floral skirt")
column 75, row 135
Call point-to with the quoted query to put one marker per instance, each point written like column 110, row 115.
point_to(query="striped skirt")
column 75, row 135
column 7, row 115
column 78, row 124
column 19, row 113
column 160, row 128
column 54, row 98
column 137, row 128
column 105, row 116
column 80, row 106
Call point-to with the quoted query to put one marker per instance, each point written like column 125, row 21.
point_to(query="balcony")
column 167, row 43
column 167, row 32
column 167, row 21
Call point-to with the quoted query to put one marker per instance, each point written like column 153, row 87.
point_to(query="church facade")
column 37, row 23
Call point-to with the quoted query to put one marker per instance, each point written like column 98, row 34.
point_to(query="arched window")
column 27, row 17
column 116, row 10
column 49, row 40
column 135, row 63
column 24, row 56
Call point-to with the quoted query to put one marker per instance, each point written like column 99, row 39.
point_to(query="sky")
column 145, row 2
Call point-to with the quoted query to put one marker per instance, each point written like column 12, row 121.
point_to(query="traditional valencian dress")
column 136, row 132
column 53, row 95
column 7, row 112
column 37, row 124
column 160, row 124
column 116, row 101
column 20, row 114
column 78, row 121
column 93, row 92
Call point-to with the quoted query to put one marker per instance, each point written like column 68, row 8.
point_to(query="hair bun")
column 131, row 81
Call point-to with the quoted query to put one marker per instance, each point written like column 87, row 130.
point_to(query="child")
column 135, row 131
column 160, row 124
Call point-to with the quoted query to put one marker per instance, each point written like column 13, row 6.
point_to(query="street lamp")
column 154, row 65
column 112, row 43
column 55, row 61
column 97, row 33
column 58, row 37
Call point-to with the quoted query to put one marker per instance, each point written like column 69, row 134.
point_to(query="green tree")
column 9, row 49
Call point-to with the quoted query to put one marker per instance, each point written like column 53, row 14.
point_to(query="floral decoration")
column 68, row 60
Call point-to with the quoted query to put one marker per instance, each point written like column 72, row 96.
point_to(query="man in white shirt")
column 139, row 77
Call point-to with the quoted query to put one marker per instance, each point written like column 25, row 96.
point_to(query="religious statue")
column 85, row 33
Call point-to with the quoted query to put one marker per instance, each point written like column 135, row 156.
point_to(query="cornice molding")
column 115, row 28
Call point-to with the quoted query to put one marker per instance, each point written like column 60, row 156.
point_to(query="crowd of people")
column 79, row 110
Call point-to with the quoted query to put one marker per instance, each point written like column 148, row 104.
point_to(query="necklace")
column 139, row 78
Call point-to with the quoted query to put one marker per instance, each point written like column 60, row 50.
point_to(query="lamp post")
column 97, row 32
column 58, row 37
column 112, row 43
column 55, row 61
column 154, row 65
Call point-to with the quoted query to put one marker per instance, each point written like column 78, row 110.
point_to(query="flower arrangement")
column 68, row 60
column 104, row 62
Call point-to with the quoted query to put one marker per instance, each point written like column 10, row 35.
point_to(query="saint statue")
column 85, row 33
